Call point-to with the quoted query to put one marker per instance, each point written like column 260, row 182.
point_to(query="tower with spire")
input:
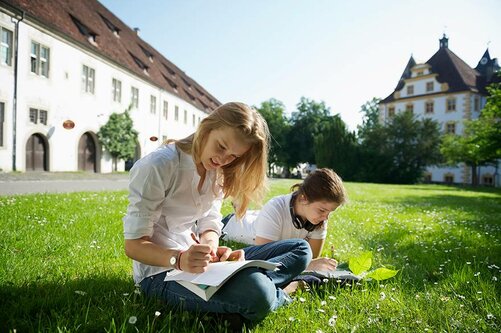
column 449, row 91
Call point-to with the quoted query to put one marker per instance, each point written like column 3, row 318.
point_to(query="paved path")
column 59, row 182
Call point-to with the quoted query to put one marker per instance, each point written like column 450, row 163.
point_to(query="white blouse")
column 165, row 204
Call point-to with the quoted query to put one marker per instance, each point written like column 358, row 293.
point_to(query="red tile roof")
column 89, row 24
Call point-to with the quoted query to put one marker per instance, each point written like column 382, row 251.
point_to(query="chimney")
column 137, row 30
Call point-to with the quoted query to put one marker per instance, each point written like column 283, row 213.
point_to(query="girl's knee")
column 258, row 295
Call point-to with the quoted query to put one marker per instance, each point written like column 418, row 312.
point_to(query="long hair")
column 244, row 179
column 322, row 185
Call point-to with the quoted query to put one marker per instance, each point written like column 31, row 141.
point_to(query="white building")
column 449, row 91
column 76, row 64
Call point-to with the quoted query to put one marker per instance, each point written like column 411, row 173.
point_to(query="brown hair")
column 244, row 179
column 322, row 185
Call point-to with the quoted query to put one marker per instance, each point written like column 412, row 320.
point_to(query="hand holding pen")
column 223, row 253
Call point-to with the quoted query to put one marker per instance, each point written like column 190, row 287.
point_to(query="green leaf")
column 381, row 274
column 361, row 264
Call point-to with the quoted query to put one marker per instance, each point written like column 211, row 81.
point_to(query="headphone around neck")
column 297, row 221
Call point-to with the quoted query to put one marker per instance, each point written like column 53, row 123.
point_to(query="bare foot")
column 294, row 286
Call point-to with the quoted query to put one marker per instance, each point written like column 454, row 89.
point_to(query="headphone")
column 297, row 221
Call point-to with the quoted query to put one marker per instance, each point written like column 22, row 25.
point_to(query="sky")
column 343, row 53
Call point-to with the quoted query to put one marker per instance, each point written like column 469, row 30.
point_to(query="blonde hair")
column 244, row 179
column 322, row 185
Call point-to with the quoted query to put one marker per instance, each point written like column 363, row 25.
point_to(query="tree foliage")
column 336, row 147
column 118, row 136
column 273, row 111
column 398, row 151
column 306, row 125
column 480, row 142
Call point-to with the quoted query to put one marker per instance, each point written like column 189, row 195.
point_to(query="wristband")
column 178, row 261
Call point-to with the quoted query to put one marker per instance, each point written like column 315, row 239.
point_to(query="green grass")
column 62, row 265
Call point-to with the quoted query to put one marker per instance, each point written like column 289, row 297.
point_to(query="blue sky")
column 340, row 52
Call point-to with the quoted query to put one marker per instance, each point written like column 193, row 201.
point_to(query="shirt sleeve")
column 269, row 222
column 149, row 180
column 212, row 221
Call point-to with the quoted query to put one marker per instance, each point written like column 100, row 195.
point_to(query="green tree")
column 336, row 147
column 397, row 151
column 119, row 137
column 273, row 112
column 480, row 143
column 306, row 125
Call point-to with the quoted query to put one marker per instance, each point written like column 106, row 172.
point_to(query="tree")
column 273, row 112
column 119, row 137
column 306, row 125
column 335, row 147
column 480, row 143
column 397, row 151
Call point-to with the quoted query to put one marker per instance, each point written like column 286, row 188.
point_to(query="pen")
column 194, row 237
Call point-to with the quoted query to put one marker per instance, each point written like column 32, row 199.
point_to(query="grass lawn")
column 63, row 268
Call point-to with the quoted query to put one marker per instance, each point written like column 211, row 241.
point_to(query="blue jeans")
column 252, row 292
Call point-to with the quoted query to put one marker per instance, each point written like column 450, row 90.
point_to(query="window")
column 199, row 120
column 420, row 73
column 166, row 110
column 429, row 86
column 43, row 117
column 488, row 180
column 134, row 100
column 111, row 26
column 409, row 108
column 34, row 116
column 450, row 128
column 88, row 79
column 410, row 90
column 451, row 104
column 193, row 120
column 153, row 104
column 38, row 116
column 2, row 120
column 176, row 113
column 39, row 59
column 140, row 64
column 85, row 31
column 5, row 47
column 185, row 118
column 449, row 178
column 147, row 53
column 476, row 103
column 116, row 90
column 429, row 107
column 391, row 111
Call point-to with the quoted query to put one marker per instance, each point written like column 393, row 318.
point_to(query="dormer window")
column 147, row 53
column 170, row 82
column 141, row 64
column 170, row 70
column 85, row 30
column 189, row 95
column 113, row 28
column 200, row 92
column 186, row 83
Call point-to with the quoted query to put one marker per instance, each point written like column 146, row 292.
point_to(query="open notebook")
column 206, row 284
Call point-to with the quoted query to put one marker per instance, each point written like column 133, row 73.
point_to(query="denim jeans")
column 252, row 292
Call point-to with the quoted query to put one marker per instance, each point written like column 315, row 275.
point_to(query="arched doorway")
column 37, row 155
column 87, row 153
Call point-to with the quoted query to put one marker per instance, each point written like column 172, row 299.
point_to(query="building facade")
column 449, row 91
column 65, row 67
